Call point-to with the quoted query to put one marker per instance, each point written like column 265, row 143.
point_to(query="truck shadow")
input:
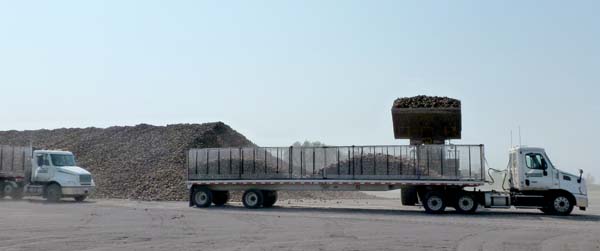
column 450, row 213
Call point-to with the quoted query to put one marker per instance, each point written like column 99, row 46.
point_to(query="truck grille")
column 85, row 179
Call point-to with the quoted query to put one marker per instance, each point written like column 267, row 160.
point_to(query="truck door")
column 42, row 168
column 539, row 175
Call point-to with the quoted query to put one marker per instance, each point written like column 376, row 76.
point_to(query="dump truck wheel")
column 202, row 197
column 252, row 199
column 80, row 198
column 466, row 204
column 434, row 203
column 53, row 192
column 2, row 194
column 220, row 197
column 270, row 197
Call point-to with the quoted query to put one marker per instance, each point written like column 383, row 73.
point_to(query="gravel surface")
column 423, row 101
column 291, row 225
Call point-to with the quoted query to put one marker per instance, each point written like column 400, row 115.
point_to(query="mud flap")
column 190, row 198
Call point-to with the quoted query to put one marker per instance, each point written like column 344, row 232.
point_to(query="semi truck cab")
column 531, row 173
column 54, row 175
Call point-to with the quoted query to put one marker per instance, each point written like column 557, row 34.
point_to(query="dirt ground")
column 379, row 224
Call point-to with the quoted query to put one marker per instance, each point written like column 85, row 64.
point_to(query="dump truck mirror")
column 40, row 161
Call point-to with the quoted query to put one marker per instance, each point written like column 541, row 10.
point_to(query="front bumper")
column 78, row 190
column 582, row 200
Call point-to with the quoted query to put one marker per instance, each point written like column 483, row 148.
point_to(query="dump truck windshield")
column 62, row 159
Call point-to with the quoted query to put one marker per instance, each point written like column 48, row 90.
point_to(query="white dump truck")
column 433, row 176
column 47, row 173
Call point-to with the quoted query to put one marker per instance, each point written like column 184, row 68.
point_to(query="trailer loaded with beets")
column 428, row 172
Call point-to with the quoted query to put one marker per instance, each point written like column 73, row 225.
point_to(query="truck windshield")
column 62, row 160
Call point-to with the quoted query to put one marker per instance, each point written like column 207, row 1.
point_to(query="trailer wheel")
column 252, row 198
column 561, row 204
column 466, row 203
column 80, row 198
column 220, row 197
column 270, row 197
column 53, row 192
column 202, row 197
column 434, row 202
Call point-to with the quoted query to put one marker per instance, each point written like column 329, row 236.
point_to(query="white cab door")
column 538, row 173
column 42, row 168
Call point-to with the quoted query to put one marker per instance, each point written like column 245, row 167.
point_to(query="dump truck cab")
column 55, row 174
column 532, row 173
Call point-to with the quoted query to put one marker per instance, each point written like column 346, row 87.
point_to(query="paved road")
column 293, row 225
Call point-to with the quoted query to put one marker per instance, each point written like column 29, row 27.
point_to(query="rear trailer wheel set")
column 253, row 198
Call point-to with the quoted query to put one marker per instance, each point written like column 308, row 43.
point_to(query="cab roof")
column 53, row 152
column 527, row 149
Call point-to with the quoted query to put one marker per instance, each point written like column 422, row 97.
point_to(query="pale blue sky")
column 280, row 71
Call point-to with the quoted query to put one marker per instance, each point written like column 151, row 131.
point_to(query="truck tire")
column 2, row 194
column 434, row 202
column 252, row 199
column 269, row 198
column 466, row 203
column 561, row 204
column 53, row 192
column 408, row 195
column 80, row 198
column 220, row 197
column 202, row 197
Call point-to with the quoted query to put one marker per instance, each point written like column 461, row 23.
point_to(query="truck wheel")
column 2, row 194
column 80, row 198
column 270, row 197
column 7, row 189
column 220, row 197
column 252, row 198
column 561, row 205
column 434, row 203
column 53, row 192
column 466, row 204
column 408, row 195
column 202, row 197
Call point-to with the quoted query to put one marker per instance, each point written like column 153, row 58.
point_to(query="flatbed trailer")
column 261, row 171
column 434, row 176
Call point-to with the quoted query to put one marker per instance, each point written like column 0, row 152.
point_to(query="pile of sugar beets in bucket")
column 144, row 162
column 423, row 101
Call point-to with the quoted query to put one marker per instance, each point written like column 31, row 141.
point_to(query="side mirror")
column 580, row 175
column 40, row 161
column 544, row 164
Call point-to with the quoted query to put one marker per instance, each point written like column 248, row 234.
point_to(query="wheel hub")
column 252, row 199
column 561, row 204
column 434, row 203
column 201, row 197
column 466, row 203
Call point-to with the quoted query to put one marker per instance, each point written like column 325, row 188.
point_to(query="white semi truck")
column 434, row 176
column 47, row 173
